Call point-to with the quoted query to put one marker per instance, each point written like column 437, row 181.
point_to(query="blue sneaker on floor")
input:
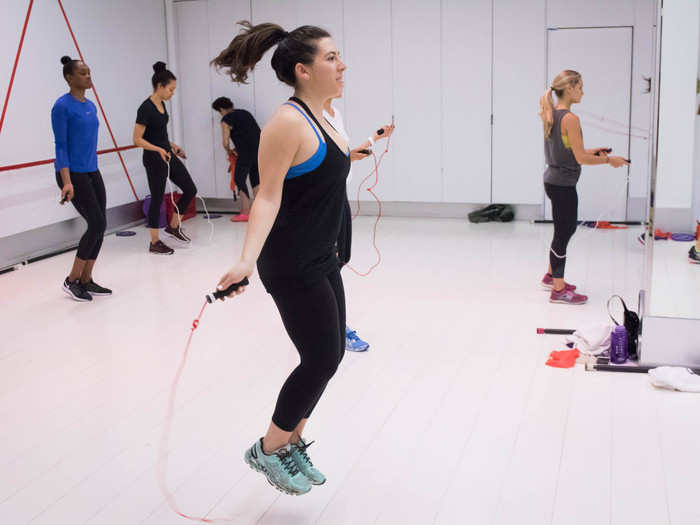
column 354, row 343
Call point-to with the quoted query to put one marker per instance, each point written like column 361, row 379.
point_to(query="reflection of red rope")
column 163, row 453
column 49, row 161
column 94, row 90
column 374, row 172
column 14, row 67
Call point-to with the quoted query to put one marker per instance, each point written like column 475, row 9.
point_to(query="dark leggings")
column 565, row 215
column 244, row 168
column 157, row 174
column 314, row 318
column 90, row 200
column 345, row 236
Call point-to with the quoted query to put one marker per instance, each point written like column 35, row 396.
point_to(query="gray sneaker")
column 279, row 468
column 303, row 462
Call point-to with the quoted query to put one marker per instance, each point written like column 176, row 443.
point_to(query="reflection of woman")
column 74, row 121
column 292, row 232
column 564, row 152
column 353, row 343
column 151, row 134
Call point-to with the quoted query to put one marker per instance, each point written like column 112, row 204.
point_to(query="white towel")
column 592, row 340
column 675, row 378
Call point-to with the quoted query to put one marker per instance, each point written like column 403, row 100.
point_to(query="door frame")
column 629, row 123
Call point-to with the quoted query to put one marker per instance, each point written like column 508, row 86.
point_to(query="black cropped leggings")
column 90, row 199
column 246, row 167
column 565, row 216
column 314, row 318
column 157, row 174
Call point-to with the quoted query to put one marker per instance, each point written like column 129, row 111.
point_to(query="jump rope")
column 172, row 201
column 375, row 172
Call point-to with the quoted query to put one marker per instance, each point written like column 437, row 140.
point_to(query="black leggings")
column 345, row 236
column 565, row 215
column 244, row 168
column 157, row 173
column 90, row 199
column 314, row 318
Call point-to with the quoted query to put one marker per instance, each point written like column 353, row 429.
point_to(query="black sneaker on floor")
column 95, row 289
column 693, row 255
column 76, row 290
column 178, row 234
column 160, row 248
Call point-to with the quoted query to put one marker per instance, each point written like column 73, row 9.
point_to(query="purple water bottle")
column 618, row 345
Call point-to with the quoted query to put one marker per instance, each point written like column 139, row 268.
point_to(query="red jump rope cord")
column 163, row 453
column 374, row 172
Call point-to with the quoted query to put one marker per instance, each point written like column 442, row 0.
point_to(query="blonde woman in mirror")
column 565, row 153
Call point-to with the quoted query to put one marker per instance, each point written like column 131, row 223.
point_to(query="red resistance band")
column 116, row 148
column 49, row 161
column 374, row 172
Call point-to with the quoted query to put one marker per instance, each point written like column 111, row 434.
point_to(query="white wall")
column 430, row 64
column 679, row 66
column 427, row 63
column 120, row 41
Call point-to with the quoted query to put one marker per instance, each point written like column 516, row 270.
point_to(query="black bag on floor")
column 631, row 326
column 493, row 212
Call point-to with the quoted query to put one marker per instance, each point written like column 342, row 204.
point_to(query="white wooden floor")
column 452, row 417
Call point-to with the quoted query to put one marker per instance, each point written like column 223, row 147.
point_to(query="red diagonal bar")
column 97, row 97
column 14, row 68
column 49, row 161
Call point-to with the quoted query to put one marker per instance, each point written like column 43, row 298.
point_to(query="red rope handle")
column 97, row 97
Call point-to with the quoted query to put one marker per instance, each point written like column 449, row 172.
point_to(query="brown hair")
column 563, row 80
column 251, row 43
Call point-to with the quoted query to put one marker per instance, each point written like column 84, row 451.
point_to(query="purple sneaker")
column 548, row 283
column 567, row 297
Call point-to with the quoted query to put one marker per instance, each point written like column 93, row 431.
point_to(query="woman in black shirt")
column 239, row 126
column 151, row 134
column 292, row 232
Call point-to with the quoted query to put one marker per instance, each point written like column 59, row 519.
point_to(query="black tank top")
column 300, row 248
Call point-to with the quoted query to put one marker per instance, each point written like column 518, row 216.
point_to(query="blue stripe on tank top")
column 316, row 159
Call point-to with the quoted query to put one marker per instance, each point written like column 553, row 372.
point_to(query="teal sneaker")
column 279, row 468
column 303, row 463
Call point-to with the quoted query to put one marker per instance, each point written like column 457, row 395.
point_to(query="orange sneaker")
column 241, row 217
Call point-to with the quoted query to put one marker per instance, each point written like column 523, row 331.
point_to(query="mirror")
column 670, row 300
column 674, row 287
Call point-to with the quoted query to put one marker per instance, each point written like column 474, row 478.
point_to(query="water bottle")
column 618, row 345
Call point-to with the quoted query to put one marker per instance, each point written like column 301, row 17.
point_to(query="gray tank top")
column 562, row 168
